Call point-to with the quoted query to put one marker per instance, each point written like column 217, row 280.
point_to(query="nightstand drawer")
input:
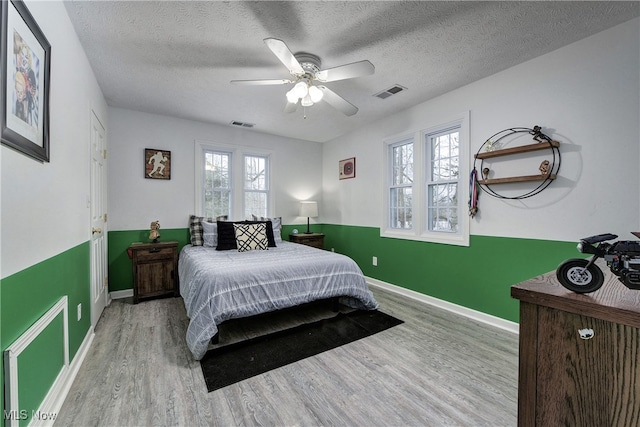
column 155, row 253
column 315, row 240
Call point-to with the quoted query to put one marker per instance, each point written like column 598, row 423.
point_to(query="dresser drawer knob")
column 586, row 333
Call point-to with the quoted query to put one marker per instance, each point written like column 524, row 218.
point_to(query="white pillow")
column 210, row 234
column 276, row 224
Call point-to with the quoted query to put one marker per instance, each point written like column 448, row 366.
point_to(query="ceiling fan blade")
column 337, row 102
column 280, row 49
column 290, row 107
column 261, row 82
column 348, row 71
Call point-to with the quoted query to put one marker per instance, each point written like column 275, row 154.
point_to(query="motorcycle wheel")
column 573, row 275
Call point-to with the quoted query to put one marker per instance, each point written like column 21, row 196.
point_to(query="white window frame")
column 267, row 172
column 421, row 170
column 201, row 194
column 238, row 154
column 389, row 146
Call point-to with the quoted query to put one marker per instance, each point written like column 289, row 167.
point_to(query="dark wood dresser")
column 310, row 239
column 567, row 378
column 155, row 269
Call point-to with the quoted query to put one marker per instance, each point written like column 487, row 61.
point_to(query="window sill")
column 441, row 238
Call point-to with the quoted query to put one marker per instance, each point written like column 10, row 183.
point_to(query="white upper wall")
column 135, row 201
column 585, row 95
column 44, row 205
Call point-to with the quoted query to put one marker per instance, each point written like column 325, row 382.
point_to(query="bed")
column 219, row 285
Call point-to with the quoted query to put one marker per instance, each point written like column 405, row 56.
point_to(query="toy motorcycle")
column 584, row 276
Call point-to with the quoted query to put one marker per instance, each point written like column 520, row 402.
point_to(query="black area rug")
column 236, row 362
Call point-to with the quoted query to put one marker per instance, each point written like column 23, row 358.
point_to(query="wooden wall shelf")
column 511, row 179
column 520, row 149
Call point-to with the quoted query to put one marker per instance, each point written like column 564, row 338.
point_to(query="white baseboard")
column 121, row 294
column 52, row 403
column 479, row 316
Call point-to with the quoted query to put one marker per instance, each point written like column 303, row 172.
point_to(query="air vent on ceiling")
column 242, row 124
column 391, row 91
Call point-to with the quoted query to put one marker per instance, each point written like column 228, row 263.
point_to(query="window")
column 256, row 186
column 232, row 181
column 217, row 184
column 426, row 188
column 401, row 185
column 443, row 150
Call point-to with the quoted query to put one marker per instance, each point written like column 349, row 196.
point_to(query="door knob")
column 96, row 230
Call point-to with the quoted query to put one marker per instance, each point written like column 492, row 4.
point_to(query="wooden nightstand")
column 155, row 269
column 310, row 239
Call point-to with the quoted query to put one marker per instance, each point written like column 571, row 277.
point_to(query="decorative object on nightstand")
column 155, row 269
column 154, row 234
column 310, row 210
column 315, row 240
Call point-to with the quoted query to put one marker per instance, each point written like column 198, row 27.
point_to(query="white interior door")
column 99, row 281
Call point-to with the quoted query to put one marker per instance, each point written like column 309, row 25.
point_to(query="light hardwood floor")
column 436, row 369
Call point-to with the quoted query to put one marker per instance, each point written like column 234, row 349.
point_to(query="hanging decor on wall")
column 157, row 164
column 496, row 147
column 24, row 82
column 347, row 168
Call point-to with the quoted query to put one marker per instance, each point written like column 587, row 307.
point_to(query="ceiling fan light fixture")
column 315, row 94
column 305, row 70
column 306, row 101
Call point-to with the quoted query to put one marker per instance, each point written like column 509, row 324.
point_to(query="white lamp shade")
column 309, row 209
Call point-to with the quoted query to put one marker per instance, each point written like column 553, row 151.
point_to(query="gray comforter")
column 222, row 285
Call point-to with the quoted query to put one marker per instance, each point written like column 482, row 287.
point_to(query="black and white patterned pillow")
column 227, row 234
column 251, row 237
column 195, row 228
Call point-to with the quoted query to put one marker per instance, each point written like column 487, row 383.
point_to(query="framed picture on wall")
column 157, row 163
column 347, row 168
column 24, row 86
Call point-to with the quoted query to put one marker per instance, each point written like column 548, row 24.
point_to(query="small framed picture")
column 157, row 164
column 347, row 168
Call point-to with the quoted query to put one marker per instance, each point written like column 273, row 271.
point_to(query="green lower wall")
column 24, row 298
column 35, row 383
column 478, row 277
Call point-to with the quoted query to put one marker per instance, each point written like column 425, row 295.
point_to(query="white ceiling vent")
column 242, row 124
column 391, row 91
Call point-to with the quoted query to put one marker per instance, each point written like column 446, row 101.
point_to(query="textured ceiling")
column 177, row 58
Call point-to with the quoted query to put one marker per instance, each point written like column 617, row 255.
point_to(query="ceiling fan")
column 306, row 72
